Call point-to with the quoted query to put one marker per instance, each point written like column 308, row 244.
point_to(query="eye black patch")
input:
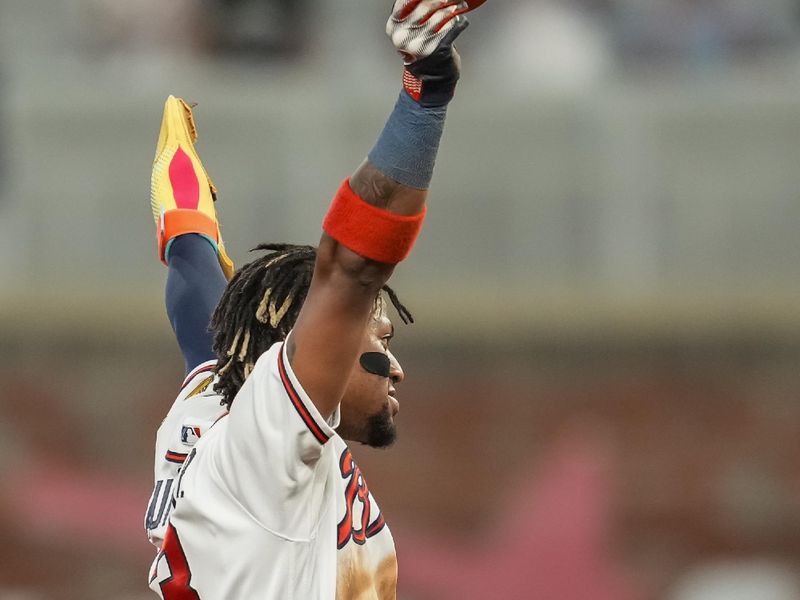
column 376, row 363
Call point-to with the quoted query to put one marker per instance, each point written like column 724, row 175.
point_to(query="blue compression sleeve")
column 407, row 147
column 195, row 283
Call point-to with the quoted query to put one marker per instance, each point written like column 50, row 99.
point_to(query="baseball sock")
column 195, row 283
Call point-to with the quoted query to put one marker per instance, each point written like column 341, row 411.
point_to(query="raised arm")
column 374, row 219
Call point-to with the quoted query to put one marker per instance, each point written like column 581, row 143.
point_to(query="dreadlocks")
column 260, row 307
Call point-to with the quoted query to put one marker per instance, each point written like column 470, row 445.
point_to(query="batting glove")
column 423, row 31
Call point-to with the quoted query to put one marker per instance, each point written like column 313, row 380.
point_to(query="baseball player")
column 257, row 494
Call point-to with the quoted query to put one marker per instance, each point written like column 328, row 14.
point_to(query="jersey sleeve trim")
column 176, row 457
column 201, row 368
column 319, row 428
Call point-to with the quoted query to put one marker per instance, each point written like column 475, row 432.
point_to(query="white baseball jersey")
column 195, row 409
column 270, row 504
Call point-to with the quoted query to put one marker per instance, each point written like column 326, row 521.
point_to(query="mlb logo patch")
column 190, row 434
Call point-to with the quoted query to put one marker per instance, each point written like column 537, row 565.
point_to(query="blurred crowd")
column 694, row 31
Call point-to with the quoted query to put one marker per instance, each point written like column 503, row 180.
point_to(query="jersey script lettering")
column 356, row 489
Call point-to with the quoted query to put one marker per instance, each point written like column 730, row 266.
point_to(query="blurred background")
column 602, row 385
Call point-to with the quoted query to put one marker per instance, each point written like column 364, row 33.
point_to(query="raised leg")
column 195, row 283
column 182, row 197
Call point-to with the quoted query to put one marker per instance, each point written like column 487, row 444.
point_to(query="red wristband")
column 369, row 231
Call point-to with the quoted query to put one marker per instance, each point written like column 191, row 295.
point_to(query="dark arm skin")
column 329, row 333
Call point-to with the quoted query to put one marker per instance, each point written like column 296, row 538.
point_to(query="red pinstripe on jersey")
column 205, row 367
column 298, row 404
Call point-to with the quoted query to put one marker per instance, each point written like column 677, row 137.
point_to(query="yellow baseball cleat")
column 182, row 194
